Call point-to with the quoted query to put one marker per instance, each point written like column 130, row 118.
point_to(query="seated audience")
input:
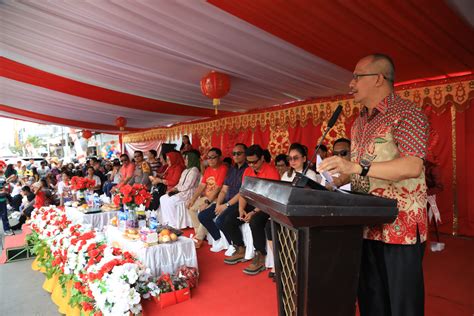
column 249, row 214
column 207, row 192
column 142, row 170
column 297, row 157
column 181, row 192
column 282, row 164
column 154, row 162
column 169, row 180
column 27, row 207
column 228, row 198
column 98, row 183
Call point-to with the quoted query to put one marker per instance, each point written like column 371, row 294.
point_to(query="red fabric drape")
column 465, row 170
column 441, row 123
column 278, row 139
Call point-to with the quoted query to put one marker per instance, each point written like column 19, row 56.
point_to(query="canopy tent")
column 83, row 64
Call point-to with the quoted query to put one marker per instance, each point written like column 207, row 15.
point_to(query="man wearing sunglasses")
column 389, row 143
column 227, row 201
column 207, row 192
column 248, row 214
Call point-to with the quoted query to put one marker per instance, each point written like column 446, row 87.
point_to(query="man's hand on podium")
column 336, row 164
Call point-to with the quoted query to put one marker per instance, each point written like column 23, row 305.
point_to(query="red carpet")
column 225, row 290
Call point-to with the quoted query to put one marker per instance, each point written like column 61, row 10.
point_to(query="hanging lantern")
column 120, row 122
column 215, row 85
column 86, row 134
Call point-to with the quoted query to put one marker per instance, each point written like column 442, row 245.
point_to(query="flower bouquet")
column 94, row 277
column 80, row 185
column 133, row 196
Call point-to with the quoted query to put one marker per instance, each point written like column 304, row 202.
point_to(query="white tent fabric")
column 135, row 48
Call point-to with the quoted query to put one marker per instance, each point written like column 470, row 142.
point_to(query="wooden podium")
column 317, row 243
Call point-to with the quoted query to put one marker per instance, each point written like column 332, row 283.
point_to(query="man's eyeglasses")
column 357, row 76
column 123, row 160
column 212, row 157
column 341, row 153
column 237, row 153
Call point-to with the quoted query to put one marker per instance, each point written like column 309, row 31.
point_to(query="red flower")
column 86, row 306
column 117, row 200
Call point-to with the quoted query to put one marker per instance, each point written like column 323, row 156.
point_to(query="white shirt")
column 310, row 174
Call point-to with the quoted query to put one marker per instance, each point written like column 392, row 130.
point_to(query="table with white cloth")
column 160, row 258
column 95, row 220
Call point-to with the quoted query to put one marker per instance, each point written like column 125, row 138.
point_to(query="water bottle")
column 122, row 220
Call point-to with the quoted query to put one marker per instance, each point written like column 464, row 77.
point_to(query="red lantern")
column 86, row 134
column 215, row 85
column 120, row 122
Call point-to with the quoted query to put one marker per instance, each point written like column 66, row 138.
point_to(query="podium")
column 317, row 241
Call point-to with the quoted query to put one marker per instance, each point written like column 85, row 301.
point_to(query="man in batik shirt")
column 389, row 141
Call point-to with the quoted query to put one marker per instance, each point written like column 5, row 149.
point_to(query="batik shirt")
column 395, row 128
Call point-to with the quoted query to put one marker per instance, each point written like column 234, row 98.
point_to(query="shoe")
column 257, row 265
column 9, row 233
column 237, row 256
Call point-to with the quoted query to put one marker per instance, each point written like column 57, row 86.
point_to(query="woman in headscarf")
column 170, row 178
column 173, row 209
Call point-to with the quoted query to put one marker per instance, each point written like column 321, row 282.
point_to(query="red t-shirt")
column 267, row 171
column 214, row 177
column 127, row 171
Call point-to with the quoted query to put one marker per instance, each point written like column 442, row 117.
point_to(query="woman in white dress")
column 172, row 204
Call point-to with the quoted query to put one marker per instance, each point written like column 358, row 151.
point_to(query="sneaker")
column 257, row 265
column 237, row 256
column 9, row 233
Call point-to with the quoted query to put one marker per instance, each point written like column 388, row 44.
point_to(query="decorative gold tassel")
column 216, row 102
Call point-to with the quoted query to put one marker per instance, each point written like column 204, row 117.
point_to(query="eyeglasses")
column 341, row 153
column 252, row 162
column 237, row 153
column 138, row 156
column 123, row 160
column 357, row 76
column 294, row 158
column 212, row 157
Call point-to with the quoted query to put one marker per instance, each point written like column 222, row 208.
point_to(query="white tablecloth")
column 96, row 220
column 162, row 258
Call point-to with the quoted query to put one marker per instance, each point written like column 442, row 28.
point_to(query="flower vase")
column 49, row 284
column 80, row 196
column 35, row 265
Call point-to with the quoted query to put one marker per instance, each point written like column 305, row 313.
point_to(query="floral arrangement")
column 132, row 196
column 82, row 184
column 106, row 280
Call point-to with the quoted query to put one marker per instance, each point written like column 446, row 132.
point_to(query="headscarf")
column 193, row 160
column 175, row 169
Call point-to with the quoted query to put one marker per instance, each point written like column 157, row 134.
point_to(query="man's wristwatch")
column 365, row 164
column 227, row 204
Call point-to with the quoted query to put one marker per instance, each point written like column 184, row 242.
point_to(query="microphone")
column 301, row 180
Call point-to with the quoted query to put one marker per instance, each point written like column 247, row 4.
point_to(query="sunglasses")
column 212, row 157
column 252, row 162
column 294, row 158
column 237, row 153
column 341, row 153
